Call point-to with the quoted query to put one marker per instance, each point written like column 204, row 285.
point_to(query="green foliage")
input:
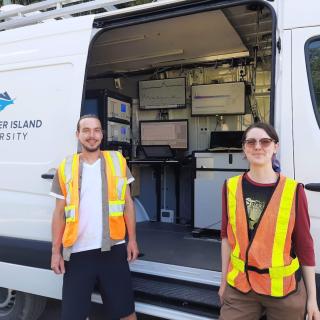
column 137, row 2
column 314, row 54
column 26, row 2
column 23, row 2
column 133, row 3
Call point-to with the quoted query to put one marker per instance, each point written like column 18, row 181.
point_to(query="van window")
column 313, row 66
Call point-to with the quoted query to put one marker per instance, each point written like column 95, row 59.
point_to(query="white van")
column 55, row 66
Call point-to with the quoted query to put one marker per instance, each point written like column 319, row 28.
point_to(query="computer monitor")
column 226, row 139
column 168, row 132
column 162, row 94
column 218, row 98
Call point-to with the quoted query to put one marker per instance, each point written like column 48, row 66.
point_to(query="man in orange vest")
column 93, row 212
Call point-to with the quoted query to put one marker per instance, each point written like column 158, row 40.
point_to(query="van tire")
column 21, row 306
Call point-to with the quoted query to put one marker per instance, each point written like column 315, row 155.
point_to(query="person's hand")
column 221, row 291
column 312, row 309
column 57, row 263
column 132, row 250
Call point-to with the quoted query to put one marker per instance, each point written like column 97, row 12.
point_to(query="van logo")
column 5, row 100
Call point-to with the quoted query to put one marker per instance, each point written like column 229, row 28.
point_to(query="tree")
column 314, row 55
column 26, row 2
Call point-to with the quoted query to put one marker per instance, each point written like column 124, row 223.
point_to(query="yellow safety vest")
column 115, row 170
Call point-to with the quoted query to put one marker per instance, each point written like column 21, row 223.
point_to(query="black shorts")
column 109, row 271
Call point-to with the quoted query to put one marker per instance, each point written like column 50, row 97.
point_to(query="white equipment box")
column 167, row 216
column 212, row 169
column 118, row 109
column 118, row 132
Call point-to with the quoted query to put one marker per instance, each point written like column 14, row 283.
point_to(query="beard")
column 90, row 149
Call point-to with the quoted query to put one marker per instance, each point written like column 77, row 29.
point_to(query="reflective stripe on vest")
column 281, row 265
column 117, row 183
column 278, row 270
column 116, row 208
column 118, row 169
column 117, row 191
column 61, row 176
column 235, row 254
column 71, row 172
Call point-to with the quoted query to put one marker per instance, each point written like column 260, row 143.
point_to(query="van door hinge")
column 279, row 45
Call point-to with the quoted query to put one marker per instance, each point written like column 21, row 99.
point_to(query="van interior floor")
column 174, row 244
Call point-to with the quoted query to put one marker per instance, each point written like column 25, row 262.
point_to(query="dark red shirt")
column 302, row 241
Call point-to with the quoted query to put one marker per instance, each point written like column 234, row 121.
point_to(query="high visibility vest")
column 263, row 264
column 115, row 170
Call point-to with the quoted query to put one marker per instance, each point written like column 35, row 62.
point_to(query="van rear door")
column 42, row 70
column 306, row 117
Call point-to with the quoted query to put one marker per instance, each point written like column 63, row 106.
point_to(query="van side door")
column 42, row 71
column 306, row 118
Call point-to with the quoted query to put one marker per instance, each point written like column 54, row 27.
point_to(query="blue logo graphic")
column 5, row 100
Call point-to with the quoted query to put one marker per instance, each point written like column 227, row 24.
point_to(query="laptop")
column 157, row 152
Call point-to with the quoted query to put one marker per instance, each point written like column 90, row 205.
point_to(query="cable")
column 212, row 224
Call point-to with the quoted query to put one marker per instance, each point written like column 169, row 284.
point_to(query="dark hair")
column 94, row 116
column 271, row 132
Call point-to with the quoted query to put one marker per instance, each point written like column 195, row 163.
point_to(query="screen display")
column 118, row 109
column 162, row 94
column 118, row 132
column 172, row 133
column 226, row 139
column 215, row 99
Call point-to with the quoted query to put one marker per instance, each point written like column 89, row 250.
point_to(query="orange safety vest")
column 115, row 170
column 263, row 264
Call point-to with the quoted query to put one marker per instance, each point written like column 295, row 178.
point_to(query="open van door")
column 306, row 118
column 42, row 70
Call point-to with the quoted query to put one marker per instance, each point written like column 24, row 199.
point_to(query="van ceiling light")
column 138, row 58
column 120, row 41
column 202, row 59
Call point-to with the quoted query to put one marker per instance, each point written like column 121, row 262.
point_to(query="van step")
column 181, row 290
column 186, row 296
column 162, row 311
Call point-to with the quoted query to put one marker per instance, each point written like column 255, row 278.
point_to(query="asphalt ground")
column 52, row 312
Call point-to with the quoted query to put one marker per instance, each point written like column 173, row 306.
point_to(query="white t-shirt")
column 90, row 209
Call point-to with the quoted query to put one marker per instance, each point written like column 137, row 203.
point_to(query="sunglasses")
column 264, row 142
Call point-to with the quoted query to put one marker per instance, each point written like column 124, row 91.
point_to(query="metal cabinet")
column 212, row 169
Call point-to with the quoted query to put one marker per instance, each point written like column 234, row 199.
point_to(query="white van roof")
column 53, row 9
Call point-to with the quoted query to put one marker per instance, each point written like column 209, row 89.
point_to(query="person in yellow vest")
column 268, row 263
column 94, row 211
